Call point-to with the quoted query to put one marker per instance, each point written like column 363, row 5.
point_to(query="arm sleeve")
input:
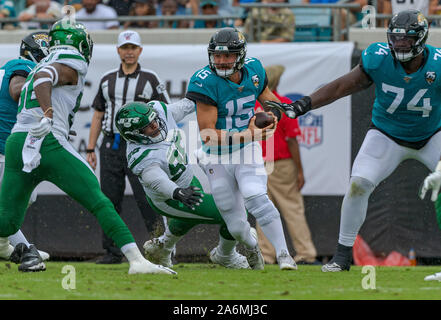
column 196, row 96
column 21, row 73
column 181, row 108
column 156, row 179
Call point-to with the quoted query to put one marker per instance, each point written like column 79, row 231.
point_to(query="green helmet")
column 133, row 117
column 72, row 34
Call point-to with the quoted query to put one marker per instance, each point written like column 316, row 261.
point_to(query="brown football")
column 263, row 119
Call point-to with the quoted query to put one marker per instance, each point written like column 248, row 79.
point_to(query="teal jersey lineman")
column 407, row 106
column 235, row 102
column 8, row 107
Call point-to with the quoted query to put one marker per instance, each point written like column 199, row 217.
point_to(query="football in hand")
column 263, row 119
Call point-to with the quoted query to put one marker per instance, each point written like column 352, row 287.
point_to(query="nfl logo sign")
column 311, row 126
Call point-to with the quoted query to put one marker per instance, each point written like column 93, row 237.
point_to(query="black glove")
column 292, row 110
column 189, row 196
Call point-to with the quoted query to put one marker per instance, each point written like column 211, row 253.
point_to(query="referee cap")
column 129, row 36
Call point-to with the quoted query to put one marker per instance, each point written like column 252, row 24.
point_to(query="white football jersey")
column 65, row 99
column 401, row 5
column 170, row 154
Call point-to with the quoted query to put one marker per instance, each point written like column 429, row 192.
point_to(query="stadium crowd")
column 27, row 10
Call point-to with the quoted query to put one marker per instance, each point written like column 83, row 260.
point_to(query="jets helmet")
column 133, row 117
column 71, row 34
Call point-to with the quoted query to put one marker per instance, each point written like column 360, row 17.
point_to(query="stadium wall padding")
column 396, row 220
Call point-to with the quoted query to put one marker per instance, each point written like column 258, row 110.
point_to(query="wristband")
column 90, row 150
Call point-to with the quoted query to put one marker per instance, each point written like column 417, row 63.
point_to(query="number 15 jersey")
column 407, row 106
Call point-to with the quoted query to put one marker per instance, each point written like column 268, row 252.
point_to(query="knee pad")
column 360, row 187
column 239, row 230
column 262, row 208
column 223, row 195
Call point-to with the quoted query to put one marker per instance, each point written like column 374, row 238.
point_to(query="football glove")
column 292, row 110
column 432, row 181
column 43, row 127
column 189, row 196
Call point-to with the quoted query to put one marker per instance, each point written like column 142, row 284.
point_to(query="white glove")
column 432, row 181
column 43, row 128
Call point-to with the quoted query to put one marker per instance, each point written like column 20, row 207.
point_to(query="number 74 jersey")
column 407, row 106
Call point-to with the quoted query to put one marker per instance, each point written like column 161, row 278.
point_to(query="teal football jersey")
column 407, row 106
column 8, row 107
column 235, row 102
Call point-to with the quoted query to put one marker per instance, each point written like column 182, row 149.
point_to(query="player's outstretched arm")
column 352, row 82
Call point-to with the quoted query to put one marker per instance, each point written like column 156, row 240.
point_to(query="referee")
column 117, row 87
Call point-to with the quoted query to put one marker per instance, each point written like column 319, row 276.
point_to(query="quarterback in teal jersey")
column 225, row 93
column 33, row 48
column 406, row 118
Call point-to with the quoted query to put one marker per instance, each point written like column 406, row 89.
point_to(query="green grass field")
column 211, row 282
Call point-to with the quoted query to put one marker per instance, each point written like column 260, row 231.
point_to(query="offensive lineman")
column 156, row 154
column 38, row 149
column 33, row 48
column 406, row 118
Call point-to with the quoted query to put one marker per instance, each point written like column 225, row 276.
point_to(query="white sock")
column 169, row 240
column 226, row 247
column 353, row 210
column 17, row 238
column 274, row 233
column 132, row 252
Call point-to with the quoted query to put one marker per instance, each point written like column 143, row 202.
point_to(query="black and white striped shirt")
column 116, row 89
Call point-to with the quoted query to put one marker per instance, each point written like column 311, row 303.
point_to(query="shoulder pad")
column 374, row 55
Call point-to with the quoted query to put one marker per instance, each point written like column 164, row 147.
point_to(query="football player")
column 13, row 74
column 38, row 148
column 406, row 119
column 225, row 92
column 156, row 154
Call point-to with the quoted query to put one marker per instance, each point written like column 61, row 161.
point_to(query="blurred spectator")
column 209, row 7
column 40, row 9
column 142, row 8
column 94, row 9
column 285, row 181
column 7, row 10
column 122, row 7
column 74, row 3
column 270, row 24
column 170, row 8
column 225, row 7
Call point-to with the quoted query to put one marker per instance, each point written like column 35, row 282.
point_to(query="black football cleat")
column 341, row 261
column 18, row 252
column 31, row 261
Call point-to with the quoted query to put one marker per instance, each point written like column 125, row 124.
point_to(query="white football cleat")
column 154, row 251
column 44, row 255
column 5, row 249
column 433, row 277
column 232, row 261
column 254, row 255
column 286, row 262
column 147, row 267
